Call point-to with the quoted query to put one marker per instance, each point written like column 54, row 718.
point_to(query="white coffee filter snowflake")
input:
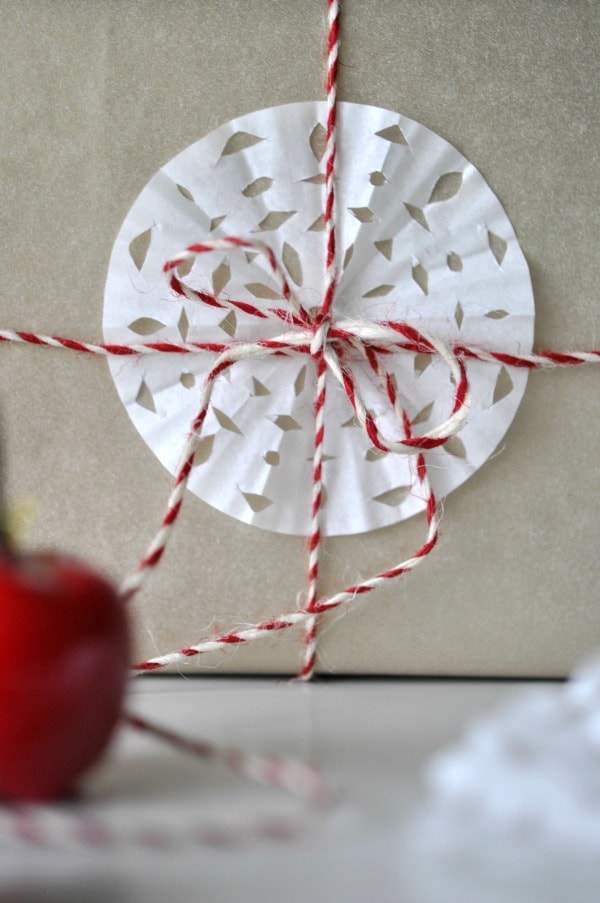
column 421, row 238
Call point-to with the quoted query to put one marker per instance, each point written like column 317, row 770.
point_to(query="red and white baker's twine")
column 319, row 342
column 332, row 344
column 71, row 826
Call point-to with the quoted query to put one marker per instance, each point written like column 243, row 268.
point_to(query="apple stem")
column 6, row 540
column 6, row 543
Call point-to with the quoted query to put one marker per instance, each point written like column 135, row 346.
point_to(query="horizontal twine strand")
column 383, row 334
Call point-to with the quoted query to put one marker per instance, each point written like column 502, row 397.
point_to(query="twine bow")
column 333, row 345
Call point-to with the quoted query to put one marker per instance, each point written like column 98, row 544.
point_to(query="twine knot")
column 321, row 324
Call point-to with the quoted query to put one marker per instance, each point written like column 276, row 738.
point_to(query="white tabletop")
column 369, row 738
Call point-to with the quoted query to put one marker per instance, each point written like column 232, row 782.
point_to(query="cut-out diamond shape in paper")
column 240, row 141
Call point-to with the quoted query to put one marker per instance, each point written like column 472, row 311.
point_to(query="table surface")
column 371, row 739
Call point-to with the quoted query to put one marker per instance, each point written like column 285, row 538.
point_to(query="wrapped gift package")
column 130, row 131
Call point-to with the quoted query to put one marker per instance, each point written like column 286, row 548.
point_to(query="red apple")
column 64, row 661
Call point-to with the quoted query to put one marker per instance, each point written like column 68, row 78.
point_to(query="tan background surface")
column 96, row 96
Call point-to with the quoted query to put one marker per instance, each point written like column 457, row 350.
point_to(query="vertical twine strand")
column 314, row 540
column 318, row 344
column 333, row 44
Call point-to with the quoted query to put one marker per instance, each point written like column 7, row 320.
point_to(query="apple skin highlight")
column 64, row 664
